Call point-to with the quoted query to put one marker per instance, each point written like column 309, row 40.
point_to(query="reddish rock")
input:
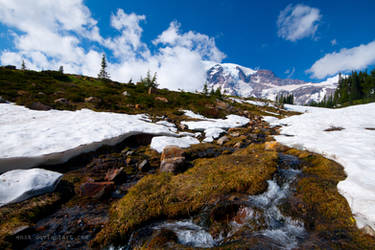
column 96, row 190
column 114, row 174
column 171, row 152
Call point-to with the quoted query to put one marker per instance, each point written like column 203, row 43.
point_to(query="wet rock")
column 222, row 140
column 62, row 101
column 144, row 166
column 161, row 99
column 96, row 190
column 115, row 175
column 39, row 106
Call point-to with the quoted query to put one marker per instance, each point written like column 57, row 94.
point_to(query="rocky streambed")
column 251, row 218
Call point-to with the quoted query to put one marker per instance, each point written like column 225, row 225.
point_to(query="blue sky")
column 308, row 40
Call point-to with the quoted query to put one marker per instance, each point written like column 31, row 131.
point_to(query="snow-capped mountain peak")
column 234, row 79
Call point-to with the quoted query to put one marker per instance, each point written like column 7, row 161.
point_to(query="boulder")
column 137, row 106
column 172, row 159
column 18, row 185
column 171, row 152
column 161, row 99
column 96, row 190
column 125, row 93
column 39, row 106
column 222, row 140
column 172, row 165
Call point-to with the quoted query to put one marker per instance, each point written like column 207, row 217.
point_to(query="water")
column 262, row 211
column 189, row 233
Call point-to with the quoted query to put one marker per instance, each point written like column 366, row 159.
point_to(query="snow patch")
column 352, row 147
column 30, row 137
column 18, row 185
column 158, row 143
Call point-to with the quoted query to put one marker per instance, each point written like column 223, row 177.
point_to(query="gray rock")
column 39, row 106
column 172, row 165
column 144, row 166
column 222, row 140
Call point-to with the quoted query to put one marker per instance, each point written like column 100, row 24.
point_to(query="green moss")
column 168, row 196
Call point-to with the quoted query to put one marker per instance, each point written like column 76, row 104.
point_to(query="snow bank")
column 19, row 185
column 302, row 109
column 158, row 143
column 30, row 138
column 213, row 128
column 231, row 121
column 353, row 147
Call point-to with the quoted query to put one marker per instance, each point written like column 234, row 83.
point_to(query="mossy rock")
column 167, row 196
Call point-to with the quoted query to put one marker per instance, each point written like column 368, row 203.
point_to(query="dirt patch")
column 333, row 128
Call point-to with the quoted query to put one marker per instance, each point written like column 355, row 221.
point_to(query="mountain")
column 246, row 82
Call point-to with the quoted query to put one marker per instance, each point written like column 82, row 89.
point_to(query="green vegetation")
column 285, row 99
column 46, row 87
column 149, row 81
column 358, row 88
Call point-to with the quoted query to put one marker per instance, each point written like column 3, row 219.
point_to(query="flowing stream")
column 261, row 210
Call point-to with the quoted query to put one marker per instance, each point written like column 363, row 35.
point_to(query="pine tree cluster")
column 285, row 99
column 359, row 87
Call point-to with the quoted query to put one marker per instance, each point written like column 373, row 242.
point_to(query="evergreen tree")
column 205, row 89
column 149, row 81
column 61, row 69
column 23, row 66
column 103, row 74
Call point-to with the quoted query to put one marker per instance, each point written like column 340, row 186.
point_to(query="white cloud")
column 345, row 60
column 333, row 42
column 297, row 22
column 290, row 72
column 51, row 33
